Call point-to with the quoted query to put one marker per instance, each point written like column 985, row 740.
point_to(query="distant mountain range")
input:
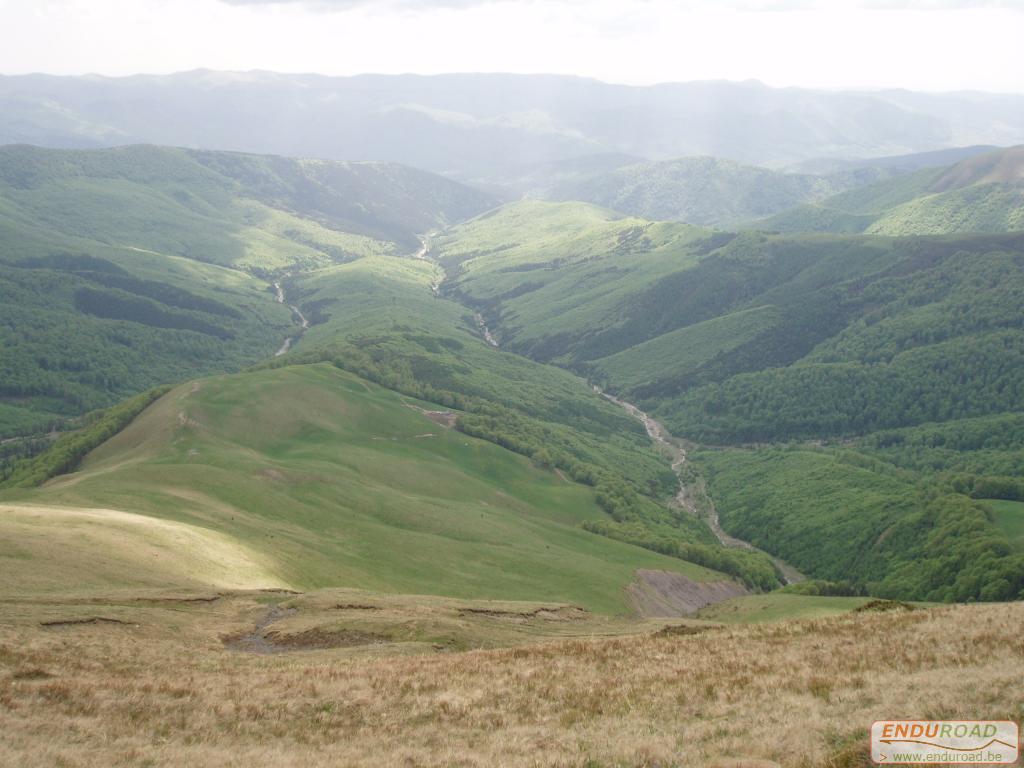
column 493, row 128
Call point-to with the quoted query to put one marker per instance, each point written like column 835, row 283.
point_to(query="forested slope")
column 814, row 340
column 983, row 193
column 121, row 269
column 706, row 190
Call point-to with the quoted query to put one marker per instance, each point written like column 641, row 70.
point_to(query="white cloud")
column 839, row 43
column 740, row 5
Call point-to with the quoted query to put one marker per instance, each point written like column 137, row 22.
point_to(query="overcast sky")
column 921, row 44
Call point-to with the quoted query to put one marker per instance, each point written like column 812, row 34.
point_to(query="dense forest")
column 846, row 516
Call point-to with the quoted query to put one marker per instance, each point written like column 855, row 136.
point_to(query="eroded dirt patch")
column 559, row 613
column 325, row 638
column 78, row 622
column 668, row 594
column 681, row 630
column 446, row 419
column 885, row 605
column 257, row 640
column 182, row 600
column 264, row 640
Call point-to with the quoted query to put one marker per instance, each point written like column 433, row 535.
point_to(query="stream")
column 423, row 254
column 299, row 318
column 664, row 439
column 655, row 430
column 482, row 325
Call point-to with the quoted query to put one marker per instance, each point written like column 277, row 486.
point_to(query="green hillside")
column 547, row 274
column 380, row 318
column 753, row 336
column 705, row 190
column 378, row 313
column 1009, row 515
column 121, row 269
column 984, row 193
column 758, row 338
column 313, row 477
column 863, row 391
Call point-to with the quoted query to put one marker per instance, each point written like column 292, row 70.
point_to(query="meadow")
column 163, row 690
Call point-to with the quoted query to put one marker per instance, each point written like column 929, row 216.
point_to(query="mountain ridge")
column 983, row 193
column 505, row 122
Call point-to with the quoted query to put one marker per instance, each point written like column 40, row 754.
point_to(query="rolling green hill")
column 383, row 318
column 984, row 193
column 307, row 476
column 121, row 269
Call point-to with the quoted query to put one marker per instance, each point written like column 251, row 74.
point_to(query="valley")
column 399, row 458
column 427, row 324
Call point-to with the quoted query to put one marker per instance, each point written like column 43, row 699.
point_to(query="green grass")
column 777, row 606
column 323, row 479
column 381, row 312
column 680, row 353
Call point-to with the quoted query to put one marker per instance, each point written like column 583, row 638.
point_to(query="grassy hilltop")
column 312, row 477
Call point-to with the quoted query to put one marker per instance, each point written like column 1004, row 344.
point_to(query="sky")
column 932, row 45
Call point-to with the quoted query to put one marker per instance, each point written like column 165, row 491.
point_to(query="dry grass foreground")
column 165, row 692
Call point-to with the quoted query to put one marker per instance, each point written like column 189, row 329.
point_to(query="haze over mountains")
column 488, row 128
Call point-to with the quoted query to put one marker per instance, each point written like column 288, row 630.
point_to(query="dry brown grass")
column 165, row 692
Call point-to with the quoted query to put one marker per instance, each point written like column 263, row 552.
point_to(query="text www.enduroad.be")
column 983, row 756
